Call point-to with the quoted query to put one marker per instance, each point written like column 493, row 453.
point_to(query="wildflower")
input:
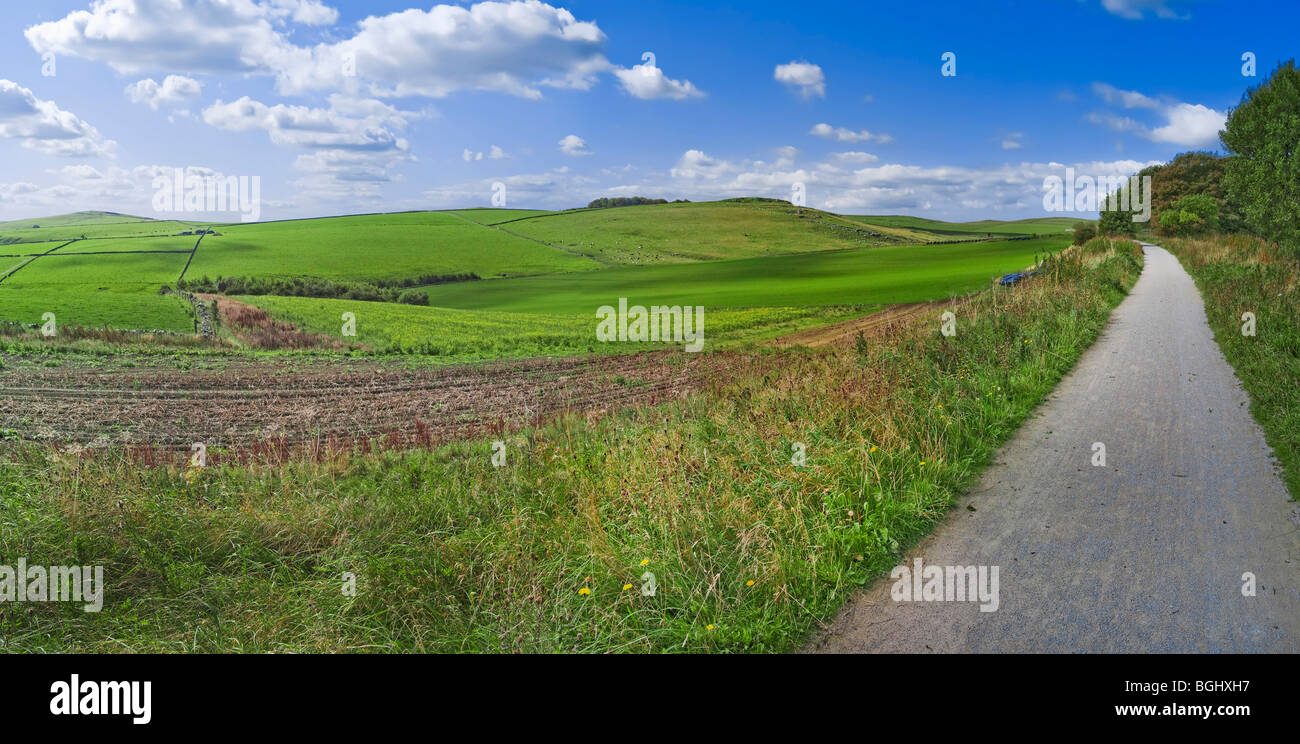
column 645, row 562
column 873, row 449
column 584, row 591
column 923, row 462
column 749, row 583
column 709, row 626
column 626, row 587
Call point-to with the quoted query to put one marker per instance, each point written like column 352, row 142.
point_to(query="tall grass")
column 1236, row 275
column 749, row 551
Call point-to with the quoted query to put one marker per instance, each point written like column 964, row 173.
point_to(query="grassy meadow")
column 748, row 550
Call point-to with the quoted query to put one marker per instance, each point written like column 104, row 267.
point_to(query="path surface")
column 1143, row 555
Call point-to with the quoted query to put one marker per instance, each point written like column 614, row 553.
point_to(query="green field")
column 492, row 216
column 981, row 228
column 376, row 247
column 706, row 231
column 883, row 275
column 88, row 225
column 469, row 335
column 759, row 266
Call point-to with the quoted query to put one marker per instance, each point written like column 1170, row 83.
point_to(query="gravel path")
column 1145, row 554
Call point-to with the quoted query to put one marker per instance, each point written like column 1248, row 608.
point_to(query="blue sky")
column 344, row 107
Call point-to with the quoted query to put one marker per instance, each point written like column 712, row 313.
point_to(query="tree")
column 1263, row 171
column 1191, row 215
column 1193, row 173
column 1119, row 219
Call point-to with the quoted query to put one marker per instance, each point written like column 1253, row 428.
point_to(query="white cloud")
column 134, row 36
column 44, row 127
column 843, row 134
column 1185, row 124
column 1190, row 125
column 649, row 82
column 358, row 124
column 1012, row 141
column 507, row 47
column 173, row 89
column 855, row 157
column 805, row 78
column 1136, row 9
column 513, row 47
column 496, row 153
column 1126, row 98
column 574, row 145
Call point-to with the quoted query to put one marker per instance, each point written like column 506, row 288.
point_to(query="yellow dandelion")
column 873, row 449
column 923, row 462
column 626, row 587
column 749, row 583
column 645, row 562
column 584, row 591
column 709, row 626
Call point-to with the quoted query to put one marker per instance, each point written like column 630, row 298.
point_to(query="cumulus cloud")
column 1012, row 141
column 1184, row 124
column 575, row 146
column 805, row 78
column 44, row 127
column 347, row 124
column 842, row 134
column 649, row 82
column 173, row 89
column 516, row 47
column 855, row 157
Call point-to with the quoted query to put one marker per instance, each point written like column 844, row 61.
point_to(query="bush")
column 413, row 297
column 1084, row 233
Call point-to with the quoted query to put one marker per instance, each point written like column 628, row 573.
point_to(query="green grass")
column 114, row 290
column 868, row 276
column 705, row 231
column 89, row 225
column 1237, row 275
column 469, row 335
column 105, row 245
column 375, row 247
column 491, row 216
column 452, row 554
column 951, row 230
column 94, row 308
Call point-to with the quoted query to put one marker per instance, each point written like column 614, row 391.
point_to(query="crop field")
column 472, row 335
column 867, row 276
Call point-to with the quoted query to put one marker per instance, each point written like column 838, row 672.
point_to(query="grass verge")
column 550, row 552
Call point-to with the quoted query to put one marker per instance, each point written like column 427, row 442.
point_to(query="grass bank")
column 550, row 552
column 1237, row 275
